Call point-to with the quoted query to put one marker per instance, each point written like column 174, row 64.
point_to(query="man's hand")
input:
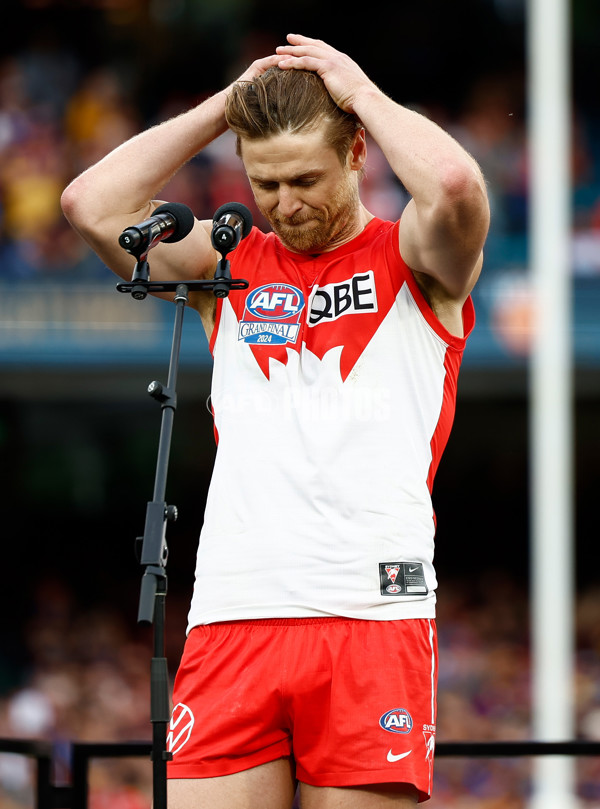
column 444, row 225
column 344, row 79
column 258, row 67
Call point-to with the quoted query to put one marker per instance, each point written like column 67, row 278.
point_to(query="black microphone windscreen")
column 183, row 216
column 240, row 210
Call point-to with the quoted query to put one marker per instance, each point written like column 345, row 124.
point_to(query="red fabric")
column 353, row 702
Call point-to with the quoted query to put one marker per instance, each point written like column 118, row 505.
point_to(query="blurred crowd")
column 85, row 677
column 56, row 120
column 58, row 116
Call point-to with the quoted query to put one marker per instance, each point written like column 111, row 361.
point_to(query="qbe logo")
column 398, row 720
column 356, row 295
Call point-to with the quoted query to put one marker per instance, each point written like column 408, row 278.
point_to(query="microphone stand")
column 152, row 546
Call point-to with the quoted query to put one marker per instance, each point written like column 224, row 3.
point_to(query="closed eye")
column 265, row 185
column 304, row 181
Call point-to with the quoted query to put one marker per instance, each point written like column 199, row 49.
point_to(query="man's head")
column 303, row 156
column 288, row 101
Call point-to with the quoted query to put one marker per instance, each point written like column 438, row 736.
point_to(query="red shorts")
column 350, row 702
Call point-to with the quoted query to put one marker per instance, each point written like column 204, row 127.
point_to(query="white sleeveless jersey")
column 333, row 394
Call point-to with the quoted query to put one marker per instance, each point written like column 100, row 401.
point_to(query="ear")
column 357, row 156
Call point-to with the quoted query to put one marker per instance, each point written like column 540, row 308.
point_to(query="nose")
column 288, row 202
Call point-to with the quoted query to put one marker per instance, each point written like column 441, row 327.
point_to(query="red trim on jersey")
column 443, row 427
column 468, row 312
column 468, row 316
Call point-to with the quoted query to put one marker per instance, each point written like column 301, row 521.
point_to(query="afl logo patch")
column 398, row 720
column 272, row 315
column 275, row 302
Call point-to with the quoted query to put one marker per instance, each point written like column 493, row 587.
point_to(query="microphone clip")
column 224, row 239
column 222, row 281
column 232, row 222
column 140, row 278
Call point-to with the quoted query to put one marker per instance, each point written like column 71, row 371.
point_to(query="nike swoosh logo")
column 412, row 569
column 392, row 757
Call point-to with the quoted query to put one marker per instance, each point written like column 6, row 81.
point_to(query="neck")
column 354, row 226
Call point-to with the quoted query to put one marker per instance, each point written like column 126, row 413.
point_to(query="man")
column 311, row 654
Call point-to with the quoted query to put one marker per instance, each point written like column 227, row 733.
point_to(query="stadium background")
column 78, row 433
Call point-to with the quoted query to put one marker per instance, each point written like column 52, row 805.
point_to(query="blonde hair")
column 290, row 101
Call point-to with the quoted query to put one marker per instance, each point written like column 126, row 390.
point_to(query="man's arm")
column 120, row 190
column 444, row 226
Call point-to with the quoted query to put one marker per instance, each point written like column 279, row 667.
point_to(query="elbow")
column 68, row 203
column 463, row 183
column 79, row 203
column 72, row 200
column 464, row 198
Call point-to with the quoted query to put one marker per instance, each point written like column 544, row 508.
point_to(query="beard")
column 319, row 229
column 304, row 234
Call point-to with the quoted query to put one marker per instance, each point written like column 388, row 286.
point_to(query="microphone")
column 170, row 222
column 232, row 222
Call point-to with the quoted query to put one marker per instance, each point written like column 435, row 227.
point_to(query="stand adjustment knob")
column 139, row 292
column 171, row 513
column 162, row 394
column 156, row 390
